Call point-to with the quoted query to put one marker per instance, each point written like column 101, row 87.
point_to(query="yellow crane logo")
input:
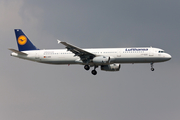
column 22, row 40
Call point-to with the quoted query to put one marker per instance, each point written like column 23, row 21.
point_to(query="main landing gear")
column 152, row 69
column 94, row 72
column 87, row 67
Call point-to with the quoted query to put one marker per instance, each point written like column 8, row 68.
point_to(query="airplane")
column 109, row 59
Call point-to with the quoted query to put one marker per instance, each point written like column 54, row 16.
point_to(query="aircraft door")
column 151, row 52
column 37, row 56
column 119, row 54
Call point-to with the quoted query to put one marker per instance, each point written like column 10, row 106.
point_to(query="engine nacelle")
column 101, row 60
column 111, row 67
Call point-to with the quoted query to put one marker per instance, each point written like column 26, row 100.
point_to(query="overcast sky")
column 34, row 91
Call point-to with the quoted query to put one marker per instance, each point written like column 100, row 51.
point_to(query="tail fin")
column 23, row 42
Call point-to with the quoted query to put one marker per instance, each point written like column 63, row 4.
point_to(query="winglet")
column 58, row 41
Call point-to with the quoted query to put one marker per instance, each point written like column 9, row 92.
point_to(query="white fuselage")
column 117, row 55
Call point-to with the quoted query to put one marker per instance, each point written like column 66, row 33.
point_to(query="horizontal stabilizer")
column 18, row 52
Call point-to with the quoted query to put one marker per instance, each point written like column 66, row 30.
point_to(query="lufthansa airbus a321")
column 109, row 59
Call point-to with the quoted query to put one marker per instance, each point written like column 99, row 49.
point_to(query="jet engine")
column 111, row 67
column 101, row 60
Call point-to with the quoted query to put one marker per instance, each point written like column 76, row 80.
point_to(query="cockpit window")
column 161, row 51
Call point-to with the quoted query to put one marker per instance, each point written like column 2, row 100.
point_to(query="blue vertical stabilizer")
column 23, row 42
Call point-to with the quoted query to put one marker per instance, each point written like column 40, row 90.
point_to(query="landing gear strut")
column 152, row 69
column 94, row 72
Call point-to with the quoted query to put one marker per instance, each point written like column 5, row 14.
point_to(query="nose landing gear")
column 152, row 69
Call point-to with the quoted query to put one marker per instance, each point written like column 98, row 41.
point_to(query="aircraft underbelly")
column 58, row 60
column 138, row 60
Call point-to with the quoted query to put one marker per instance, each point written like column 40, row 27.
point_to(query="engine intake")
column 111, row 67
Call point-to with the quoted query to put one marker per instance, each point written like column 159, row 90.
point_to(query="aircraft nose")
column 168, row 56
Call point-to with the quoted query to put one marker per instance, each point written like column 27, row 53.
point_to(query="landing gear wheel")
column 94, row 72
column 152, row 69
column 86, row 67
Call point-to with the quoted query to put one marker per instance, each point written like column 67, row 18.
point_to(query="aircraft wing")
column 84, row 55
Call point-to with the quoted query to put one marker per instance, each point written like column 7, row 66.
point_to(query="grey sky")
column 30, row 90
